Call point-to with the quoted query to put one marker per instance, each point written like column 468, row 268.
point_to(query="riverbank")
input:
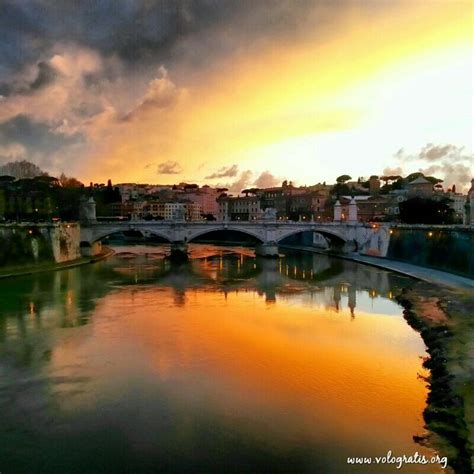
column 440, row 306
column 444, row 317
column 11, row 271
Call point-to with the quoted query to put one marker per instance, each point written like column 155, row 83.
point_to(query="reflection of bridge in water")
column 76, row 291
column 331, row 279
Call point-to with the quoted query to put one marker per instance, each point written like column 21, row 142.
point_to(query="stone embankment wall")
column 439, row 247
column 30, row 244
column 446, row 248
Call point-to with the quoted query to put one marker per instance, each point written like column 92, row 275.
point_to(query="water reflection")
column 73, row 293
column 225, row 362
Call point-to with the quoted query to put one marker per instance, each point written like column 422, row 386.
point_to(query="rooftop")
column 420, row 180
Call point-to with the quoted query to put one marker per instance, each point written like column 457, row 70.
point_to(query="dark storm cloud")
column 133, row 29
column 37, row 138
column 143, row 30
column 18, row 31
column 46, row 75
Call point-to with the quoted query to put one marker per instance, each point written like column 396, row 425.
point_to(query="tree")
column 191, row 187
column 49, row 181
column 22, row 169
column 340, row 189
column 111, row 194
column 6, row 179
column 3, row 203
column 426, row 211
column 411, row 177
column 253, row 191
column 433, row 180
column 69, row 182
column 343, row 178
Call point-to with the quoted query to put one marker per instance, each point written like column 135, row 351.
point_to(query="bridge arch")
column 201, row 232
column 113, row 230
column 333, row 236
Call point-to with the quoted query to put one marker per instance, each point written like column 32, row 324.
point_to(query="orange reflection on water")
column 305, row 370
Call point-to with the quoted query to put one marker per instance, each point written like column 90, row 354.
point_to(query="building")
column 174, row 211
column 374, row 185
column 155, row 210
column 158, row 210
column 131, row 191
column 458, row 204
column 206, row 197
column 420, row 187
column 369, row 208
column 292, row 203
column 392, row 207
column 193, row 212
column 241, row 208
column 469, row 215
column 134, row 210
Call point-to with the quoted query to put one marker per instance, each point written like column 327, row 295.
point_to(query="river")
column 227, row 363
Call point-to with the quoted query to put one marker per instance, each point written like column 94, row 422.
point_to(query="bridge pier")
column 267, row 249
column 90, row 249
column 179, row 251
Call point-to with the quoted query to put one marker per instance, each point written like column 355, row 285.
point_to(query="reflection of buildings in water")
column 36, row 303
column 269, row 279
column 179, row 297
column 352, row 299
column 320, row 263
column 47, row 300
column 337, row 296
column 68, row 298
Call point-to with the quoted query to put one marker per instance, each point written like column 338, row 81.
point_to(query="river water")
column 225, row 364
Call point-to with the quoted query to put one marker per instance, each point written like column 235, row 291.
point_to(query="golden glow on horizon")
column 306, row 100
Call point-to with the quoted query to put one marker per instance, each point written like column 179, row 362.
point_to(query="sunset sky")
column 238, row 92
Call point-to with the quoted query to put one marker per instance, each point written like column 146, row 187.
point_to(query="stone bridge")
column 354, row 237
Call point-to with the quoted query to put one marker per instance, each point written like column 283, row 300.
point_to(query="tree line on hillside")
column 27, row 193
column 390, row 183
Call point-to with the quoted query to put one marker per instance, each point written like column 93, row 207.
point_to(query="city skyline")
column 237, row 95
